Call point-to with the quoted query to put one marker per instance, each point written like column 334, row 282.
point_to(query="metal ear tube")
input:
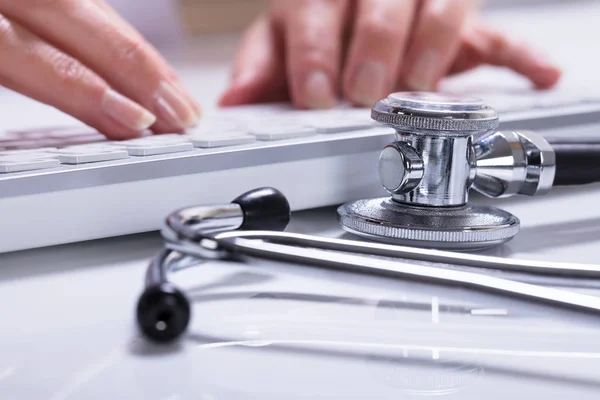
column 444, row 147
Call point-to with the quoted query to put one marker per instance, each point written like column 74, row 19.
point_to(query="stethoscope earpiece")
column 264, row 209
column 163, row 312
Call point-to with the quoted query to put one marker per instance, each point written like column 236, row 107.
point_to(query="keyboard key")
column 222, row 139
column 29, row 136
column 153, row 140
column 166, row 137
column 28, row 144
column 274, row 132
column 274, row 121
column 31, row 153
column 153, row 149
column 208, row 127
column 144, row 142
column 8, row 136
column 83, row 155
column 337, row 125
column 69, row 132
column 11, row 165
column 107, row 145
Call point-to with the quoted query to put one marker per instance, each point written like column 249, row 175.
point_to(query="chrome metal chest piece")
column 445, row 146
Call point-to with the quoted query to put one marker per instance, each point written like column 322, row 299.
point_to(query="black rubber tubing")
column 577, row 160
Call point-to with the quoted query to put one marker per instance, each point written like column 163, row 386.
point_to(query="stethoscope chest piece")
column 444, row 146
column 470, row 227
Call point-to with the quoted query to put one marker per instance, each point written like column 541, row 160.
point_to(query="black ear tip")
column 163, row 313
column 264, row 209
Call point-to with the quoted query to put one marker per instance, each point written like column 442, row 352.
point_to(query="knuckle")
column 442, row 23
column 497, row 39
column 309, row 47
column 497, row 42
column 378, row 31
column 6, row 28
column 131, row 53
column 321, row 56
column 69, row 71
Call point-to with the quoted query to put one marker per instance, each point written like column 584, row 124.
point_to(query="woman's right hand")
column 82, row 58
column 318, row 51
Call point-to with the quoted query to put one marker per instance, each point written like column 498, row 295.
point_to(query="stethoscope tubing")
column 239, row 244
column 570, row 270
column 229, row 233
column 350, row 256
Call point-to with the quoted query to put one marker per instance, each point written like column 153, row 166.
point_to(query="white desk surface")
column 67, row 313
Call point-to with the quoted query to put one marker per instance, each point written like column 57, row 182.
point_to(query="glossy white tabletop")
column 270, row 331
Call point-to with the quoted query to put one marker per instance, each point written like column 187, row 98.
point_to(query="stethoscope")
column 443, row 147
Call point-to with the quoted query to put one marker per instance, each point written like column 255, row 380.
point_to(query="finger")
column 38, row 70
column 485, row 45
column 378, row 42
column 436, row 40
column 126, row 27
column 129, row 64
column 313, row 32
column 259, row 68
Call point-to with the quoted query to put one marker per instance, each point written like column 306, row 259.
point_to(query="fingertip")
column 496, row 48
column 115, row 131
column 128, row 118
column 241, row 91
column 229, row 98
column 547, row 77
column 259, row 68
column 253, row 88
column 317, row 92
column 196, row 107
column 547, row 82
column 540, row 70
column 225, row 100
column 313, row 52
column 161, row 127
column 367, row 83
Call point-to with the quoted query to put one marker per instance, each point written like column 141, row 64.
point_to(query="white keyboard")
column 67, row 184
column 51, row 148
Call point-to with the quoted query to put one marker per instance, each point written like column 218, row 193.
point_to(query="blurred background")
column 220, row 16
column 201, row 17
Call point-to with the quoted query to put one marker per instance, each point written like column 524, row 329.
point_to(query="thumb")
column 484, row 45
column 259, row 70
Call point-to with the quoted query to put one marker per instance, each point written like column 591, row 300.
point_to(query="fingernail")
column 172, row 107
column 319, row 91
column 424, row 73
column 195, row 106
column 369, row 83
column 127, row 112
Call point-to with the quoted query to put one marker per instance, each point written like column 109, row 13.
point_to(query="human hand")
column 363, row 49
column 82, row 58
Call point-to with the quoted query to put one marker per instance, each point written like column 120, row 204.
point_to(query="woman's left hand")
column 320, row 50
